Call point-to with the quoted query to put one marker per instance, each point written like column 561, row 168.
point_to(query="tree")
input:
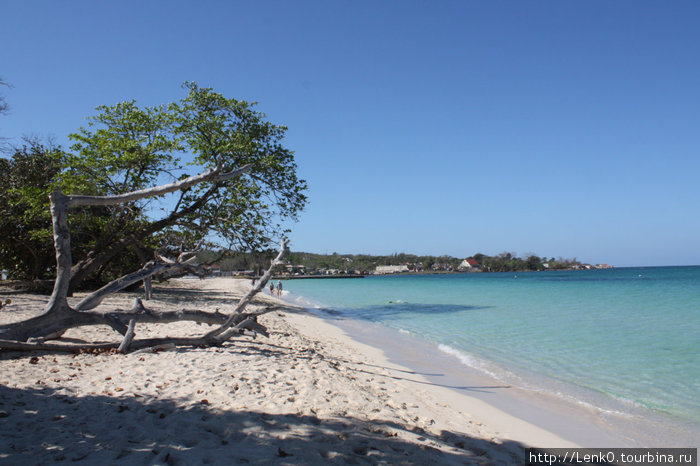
column 533, row 262
column 59, row 316
column 126, row 148
column 247, row 184
column 479, row 257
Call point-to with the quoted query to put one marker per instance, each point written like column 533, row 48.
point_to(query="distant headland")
column 304, row 264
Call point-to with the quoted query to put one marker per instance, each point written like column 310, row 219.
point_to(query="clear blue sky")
column 562, row 128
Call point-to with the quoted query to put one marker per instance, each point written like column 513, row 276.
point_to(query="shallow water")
column 623, row 340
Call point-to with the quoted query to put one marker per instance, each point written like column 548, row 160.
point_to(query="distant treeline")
column 508, row 262
column 367, row 263
column 364, row 263
column 230, row 261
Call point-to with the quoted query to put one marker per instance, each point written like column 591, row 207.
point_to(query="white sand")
column 309, row 394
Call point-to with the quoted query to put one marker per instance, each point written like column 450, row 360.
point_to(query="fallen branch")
column 54, row 347
column 143, row 345
column 222, row 333
column 128, row 337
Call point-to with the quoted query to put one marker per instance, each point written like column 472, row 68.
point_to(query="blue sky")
column 450, row 127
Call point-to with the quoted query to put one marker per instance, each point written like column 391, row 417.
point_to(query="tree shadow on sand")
column 43, row 425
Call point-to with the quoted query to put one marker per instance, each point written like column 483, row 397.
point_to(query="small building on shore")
column 386, row 269
column 295, row 269
column 468, row 264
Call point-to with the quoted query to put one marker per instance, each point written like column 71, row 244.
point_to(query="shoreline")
column 596, row 416
column 575, row 422
column 307, row 394
column 519, row 417
column 428, row 394
column 531, row 416
column 313, row 392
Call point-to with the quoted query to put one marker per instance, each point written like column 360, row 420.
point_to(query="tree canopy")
column 125, row 148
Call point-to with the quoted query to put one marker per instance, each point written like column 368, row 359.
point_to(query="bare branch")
column 120, row 320
column 64, row 348
column 128, row 337
column 95, row 298
column 211, row 175
column 220, row 333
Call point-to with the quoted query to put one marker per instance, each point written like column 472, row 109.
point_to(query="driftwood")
column 128, row 337
column 59, row 316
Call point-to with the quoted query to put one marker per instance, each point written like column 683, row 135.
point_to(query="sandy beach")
column 308, row 394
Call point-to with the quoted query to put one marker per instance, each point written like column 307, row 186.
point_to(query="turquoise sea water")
column 618, row 339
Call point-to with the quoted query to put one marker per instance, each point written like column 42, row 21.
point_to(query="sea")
column 624, row 341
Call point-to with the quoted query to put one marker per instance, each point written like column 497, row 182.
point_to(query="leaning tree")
column 249, row 182
column 126, row 148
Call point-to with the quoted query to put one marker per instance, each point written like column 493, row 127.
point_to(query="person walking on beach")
column 279, row 288
column 272, row 288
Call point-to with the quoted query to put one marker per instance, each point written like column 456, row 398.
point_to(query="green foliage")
column 532, row 262
column 561, row 263
column 257, row 261
column 368, row 263
column 125, row 148
column 504, row 262
column 230, row 134
column 26, row 238
column 507, row 262
column 26, row 233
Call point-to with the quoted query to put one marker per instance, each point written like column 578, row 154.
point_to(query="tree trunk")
column 58, row 316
